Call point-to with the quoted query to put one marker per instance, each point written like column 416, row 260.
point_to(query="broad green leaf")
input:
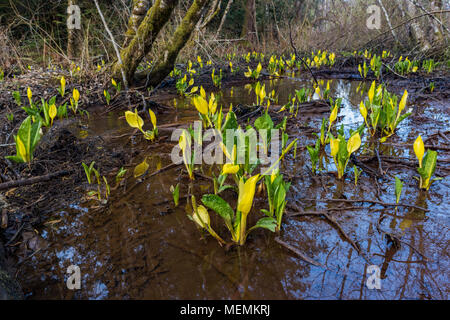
column 264, row 122
column 265, row 223
column 220, row 206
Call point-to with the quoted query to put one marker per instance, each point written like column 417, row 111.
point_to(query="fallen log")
column 33, row 180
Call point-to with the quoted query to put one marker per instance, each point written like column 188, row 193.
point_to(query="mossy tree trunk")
column 168, row 56
column 138, row 12
column 155, row 19
column 249, row 30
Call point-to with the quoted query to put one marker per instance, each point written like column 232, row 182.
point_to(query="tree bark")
column 168, row 56
column 230, row 2
column 138, row 12
column 73, row 39
column 249, row 30
column 142, row 42
column 416, row 31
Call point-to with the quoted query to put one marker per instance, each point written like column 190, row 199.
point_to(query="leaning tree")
column 145, row 23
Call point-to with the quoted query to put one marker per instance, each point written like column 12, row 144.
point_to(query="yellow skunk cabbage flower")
column 333, row 115
column 201, row 217
column 76, row 95
column 201, row 105
column 334, row 145
column 52, row 113
column 134, row 120
column 212, row 106
column 273, row 175
column 29, row 94
column 246, row 194
column 141, row 168
column 230, row 168
column 202, row 92
column 419, row 149
column 152, row 118
column 353, row 143
column 63, row 86
column 259, row 68
column 363, row 111
column 402, row 104
column 22, row 149
column 114, row 83
column 371, row 92
column 183, row 141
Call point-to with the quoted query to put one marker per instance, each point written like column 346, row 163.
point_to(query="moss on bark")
column 168, row 56
column 142, row 42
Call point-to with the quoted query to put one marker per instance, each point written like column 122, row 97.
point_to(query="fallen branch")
column 369, row 201
column 337, row 225
column 297, row 252
column 33, row 180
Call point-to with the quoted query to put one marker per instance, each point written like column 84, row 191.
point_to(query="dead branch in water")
column 33, row 180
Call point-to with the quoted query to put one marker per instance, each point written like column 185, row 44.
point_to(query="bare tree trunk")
column 230, row 2
column 168, row 56
column 416, row 31
column 249, row 30
column 73, row 38
column 212, row 12
column 142, row 42
column 138, row 12
column 387, row 19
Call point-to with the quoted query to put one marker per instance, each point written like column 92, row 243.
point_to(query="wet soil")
column 139, row 246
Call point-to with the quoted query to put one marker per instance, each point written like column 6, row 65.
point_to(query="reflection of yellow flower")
column 246, row 194
column 419, row 149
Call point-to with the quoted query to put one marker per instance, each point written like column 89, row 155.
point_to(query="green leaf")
column 265, row 223
column 220, row 206
column 429, row 165
column 223, row 188
column 398, row 188
column 264, row 122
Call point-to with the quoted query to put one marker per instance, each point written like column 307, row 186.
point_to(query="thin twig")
column 119, row 58
column 296, row 53
column 297, row 252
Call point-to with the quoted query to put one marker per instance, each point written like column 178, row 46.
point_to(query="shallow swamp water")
column 140, row 246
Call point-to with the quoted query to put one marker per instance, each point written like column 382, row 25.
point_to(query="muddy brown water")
column 142, row 247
